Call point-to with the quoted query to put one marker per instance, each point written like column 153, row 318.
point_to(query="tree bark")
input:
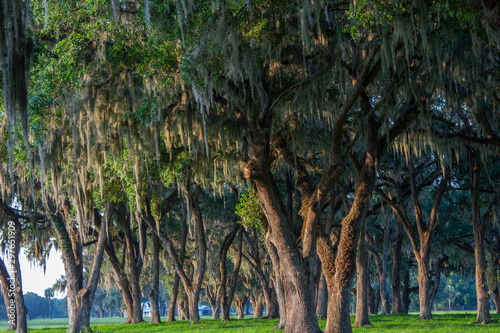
column 362, row 278
column 183, row 306
column 340, row 269
column 479, row 231
column 397, row 303
column 277, row 280
column 322, row 303
column 8, row 297
column 424, row 285
column 298, row 286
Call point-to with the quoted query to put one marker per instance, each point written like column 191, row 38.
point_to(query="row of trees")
column 334, row 129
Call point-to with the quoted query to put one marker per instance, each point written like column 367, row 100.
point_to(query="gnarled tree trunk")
column 240, row 301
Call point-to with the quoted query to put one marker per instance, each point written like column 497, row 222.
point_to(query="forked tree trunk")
column 227, row 297
column 214, row 296
column 80, row 297
column 297, row 283
column 240, row 301
column 397, row 303
column 340, row 269
column 297, row 280
column 362, row 318
column 421, row 235
column 155, row 283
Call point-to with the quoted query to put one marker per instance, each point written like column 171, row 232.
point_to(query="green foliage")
column 249, row 212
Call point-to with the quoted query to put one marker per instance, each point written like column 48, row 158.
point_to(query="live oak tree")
column 309, row 94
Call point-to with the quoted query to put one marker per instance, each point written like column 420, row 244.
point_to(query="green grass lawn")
column 444, row 322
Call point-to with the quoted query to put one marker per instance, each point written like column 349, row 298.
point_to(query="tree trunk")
column 256, row 264
column 123, row 282
column 362, row 318
column 423, row 287
column 297, row 279
column 479, row 230
column 277, row 281
column 297, row 283
column 173, row 298
column 397, row 303
column 214, row 296
column 153, row 293
column 80, row 297
column 256, row 306
column 240, row 302
column 406, row 288
column 193, row 300
column 384, row 295
column 340, row 269
column 437, row 277
column 183, row 306
column 227, row 298
column 135, row 266
column 175, row 284
column 8, row 297
column 322, row 303
column 372, row 296
column 496, row 298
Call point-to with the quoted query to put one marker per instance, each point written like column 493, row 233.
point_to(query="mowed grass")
column 454, row 322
